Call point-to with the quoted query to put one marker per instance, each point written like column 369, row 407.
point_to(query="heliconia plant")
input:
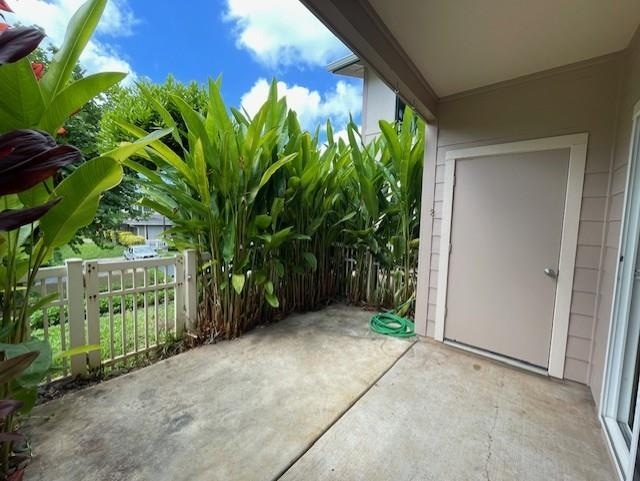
column 282, row 221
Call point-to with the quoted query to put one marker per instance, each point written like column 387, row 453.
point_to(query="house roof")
column 351, row 66
column 430, row 49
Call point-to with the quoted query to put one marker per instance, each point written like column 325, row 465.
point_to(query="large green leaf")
column 75, row 96
column 80, row 194
column 127, row 149
column 13, row 367
column 272, row 300
column 21, row 103
column 38, row 368
column 237, row 281
column 79, row 31
column 391, row 136
column 165, row 153
column 193, row 120
column 268, row 173
column 162, row 111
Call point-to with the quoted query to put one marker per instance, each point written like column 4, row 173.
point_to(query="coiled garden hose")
column 390, row 324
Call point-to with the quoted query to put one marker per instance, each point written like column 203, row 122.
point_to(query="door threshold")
column 497, row 357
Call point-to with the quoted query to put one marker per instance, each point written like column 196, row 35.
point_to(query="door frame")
column 577, row 145
column 630, row 227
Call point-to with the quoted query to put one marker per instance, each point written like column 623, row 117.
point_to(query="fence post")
column 75, row 292
column 191, row 288
column 92, row 291
column 179, row 297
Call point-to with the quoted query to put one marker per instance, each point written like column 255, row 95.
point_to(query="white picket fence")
column 127, row 307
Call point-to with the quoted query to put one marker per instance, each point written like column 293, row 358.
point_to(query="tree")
column 131, row 105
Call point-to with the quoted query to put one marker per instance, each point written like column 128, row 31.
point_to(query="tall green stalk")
column 271, row 209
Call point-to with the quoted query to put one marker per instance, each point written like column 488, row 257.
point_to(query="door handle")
column 551, row 272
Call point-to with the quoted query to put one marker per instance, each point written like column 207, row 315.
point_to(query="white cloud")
column 54, row 15
column 282, row 33
column 313, row 108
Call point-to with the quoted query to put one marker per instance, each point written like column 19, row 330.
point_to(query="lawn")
column 89, row 250
column 140, row 333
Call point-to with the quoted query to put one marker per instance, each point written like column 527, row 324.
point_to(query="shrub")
column 128, row 239
column 53, row 317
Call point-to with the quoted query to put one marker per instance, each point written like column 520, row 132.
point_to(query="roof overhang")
column 351, row 66
column 359, row 27
column 426, row 50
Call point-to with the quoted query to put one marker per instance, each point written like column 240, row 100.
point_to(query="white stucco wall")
column 378, row 102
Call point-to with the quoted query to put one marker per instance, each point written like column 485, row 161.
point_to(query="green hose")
column 390, row 324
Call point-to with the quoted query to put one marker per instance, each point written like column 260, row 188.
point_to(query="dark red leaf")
column 5, row 6
column 25, row 144
column 28, row 157
column 11, row 437
column 9, row 406
column 13, row 218
column 17, row 43
column 17, row 475
column 37, row 169
column 4, row 151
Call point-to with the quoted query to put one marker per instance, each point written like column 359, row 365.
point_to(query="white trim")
column 496, row 357
column 426, row 228
column 624, row 460
column 568, row 250
column 536, row 145
column 609, row 441
column 577, row 144
column 445, row 248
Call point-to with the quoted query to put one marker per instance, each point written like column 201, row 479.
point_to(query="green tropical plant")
column 38, row 212
column 218, row 191
column 82, row 130
column 281, row 221
column 14, row 451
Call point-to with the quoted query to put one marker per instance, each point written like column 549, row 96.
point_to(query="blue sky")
column 249, row 42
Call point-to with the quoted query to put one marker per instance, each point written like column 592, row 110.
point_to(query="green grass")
column 144, row 339
column 88, row 251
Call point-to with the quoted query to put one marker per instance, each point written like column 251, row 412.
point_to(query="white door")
column 506, row 232
column 620, row 407
column 511, row 215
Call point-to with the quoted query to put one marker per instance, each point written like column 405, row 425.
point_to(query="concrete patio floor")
column 441, row 414
column 318, row 396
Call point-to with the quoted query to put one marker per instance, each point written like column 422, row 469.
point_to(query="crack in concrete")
column 490, row 444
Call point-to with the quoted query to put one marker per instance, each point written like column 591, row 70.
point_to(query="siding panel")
column 588, row 256
column 580, row 326
column 580, row 100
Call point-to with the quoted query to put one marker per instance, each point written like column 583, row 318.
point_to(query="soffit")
column 458, row 45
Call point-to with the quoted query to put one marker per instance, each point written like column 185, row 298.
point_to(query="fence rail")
column 128, row 308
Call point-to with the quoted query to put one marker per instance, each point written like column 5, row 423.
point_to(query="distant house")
column 151, row 226
column 379, row 102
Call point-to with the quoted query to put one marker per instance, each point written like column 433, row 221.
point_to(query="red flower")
column 4, row 6
column 38, row 69
column 3, row 26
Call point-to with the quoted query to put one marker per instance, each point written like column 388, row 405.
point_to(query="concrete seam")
column 340, row 415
